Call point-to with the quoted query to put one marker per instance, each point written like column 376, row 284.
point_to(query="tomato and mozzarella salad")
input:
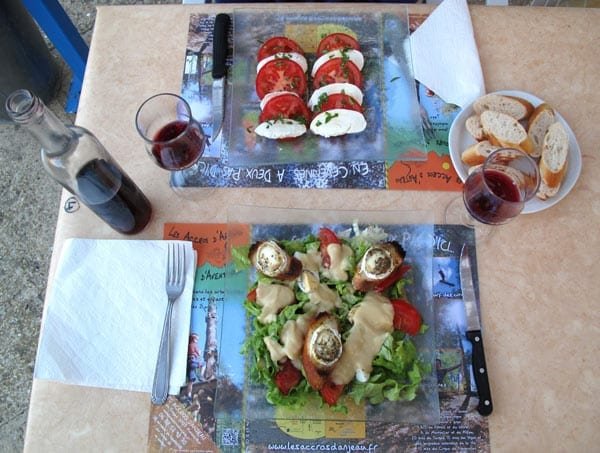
column 331, row 318
column 335, row 106
column 337, row 81
column 281, row 84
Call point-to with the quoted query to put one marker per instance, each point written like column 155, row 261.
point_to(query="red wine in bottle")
column 113, row 196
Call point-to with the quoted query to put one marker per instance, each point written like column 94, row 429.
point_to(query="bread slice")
column 505, row 131
column 555, row 150
column 540, row 120
column 513, row 106
column 544, row 192
column 477, row 153
column 473, row 125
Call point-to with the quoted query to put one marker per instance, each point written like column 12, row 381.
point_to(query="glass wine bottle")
column 75, row 158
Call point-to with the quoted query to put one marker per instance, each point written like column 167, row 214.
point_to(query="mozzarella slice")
column 335, row 122
column 294, row 56
column 353, row 55
column 277, row 129
column 335, row 88
column 273, row 95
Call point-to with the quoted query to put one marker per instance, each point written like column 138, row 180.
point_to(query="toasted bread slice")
column 513, row 106
column 540, row 120
column 473, row 125
column 477, row 153
column 505, row 131
column 555, row 150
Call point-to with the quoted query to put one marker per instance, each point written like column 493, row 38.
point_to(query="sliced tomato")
column 281, row 74
column 337, row 70
column 336, row 41
column 287, row 377
column 406, row 317
column 327, row 236
column 286, row 106
column 331, row 392
column 278, row 44
column 396, row 275
column 338, row 101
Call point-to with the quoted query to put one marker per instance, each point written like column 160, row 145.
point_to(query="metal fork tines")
column 174, row 285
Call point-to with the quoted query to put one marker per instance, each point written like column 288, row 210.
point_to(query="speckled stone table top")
column 538, row 275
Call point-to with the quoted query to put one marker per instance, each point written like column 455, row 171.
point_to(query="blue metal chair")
column 52, row 18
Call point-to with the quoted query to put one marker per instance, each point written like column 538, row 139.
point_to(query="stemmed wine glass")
column 173, row 138
column 495, row 192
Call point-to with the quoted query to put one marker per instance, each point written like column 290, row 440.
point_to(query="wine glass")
column 174, row 139
column 495, row 192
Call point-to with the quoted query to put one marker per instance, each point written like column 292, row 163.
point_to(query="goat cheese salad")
column 331, row 319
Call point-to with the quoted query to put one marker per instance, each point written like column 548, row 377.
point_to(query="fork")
column 174, row 287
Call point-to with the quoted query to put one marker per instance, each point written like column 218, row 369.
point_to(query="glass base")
column 182, row 182
column 456, row 214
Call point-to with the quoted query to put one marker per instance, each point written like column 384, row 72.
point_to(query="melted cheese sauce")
column 310, row 261
column 272, row 298
column 373, row 320
column 292, row 340
column 339, row 255
column 323, row 299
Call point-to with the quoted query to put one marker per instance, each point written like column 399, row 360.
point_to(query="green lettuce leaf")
column 239, row 256
column 397, row 373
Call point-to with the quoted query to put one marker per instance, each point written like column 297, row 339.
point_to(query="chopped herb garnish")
column 322, row 100
column 329, row 116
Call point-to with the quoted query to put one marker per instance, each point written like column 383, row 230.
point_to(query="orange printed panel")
column 209, row 239
column 436, row 173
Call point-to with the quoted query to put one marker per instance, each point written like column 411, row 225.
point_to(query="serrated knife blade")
column 219, row 72
column 473, row 334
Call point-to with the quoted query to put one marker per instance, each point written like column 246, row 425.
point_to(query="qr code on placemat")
column 230, row 437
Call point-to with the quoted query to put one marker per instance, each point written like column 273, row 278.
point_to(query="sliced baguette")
column 473, row 125
column 477, row 153
column 540, row 120
column 544, row 192
column 555, row 150
column 505, row 131
column 513, row 106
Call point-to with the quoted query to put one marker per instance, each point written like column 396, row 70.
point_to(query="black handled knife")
column 485, row 406
column 219, row 71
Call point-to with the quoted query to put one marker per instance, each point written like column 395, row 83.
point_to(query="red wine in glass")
column 178, row 144
column 113, row 196
column 492, row 196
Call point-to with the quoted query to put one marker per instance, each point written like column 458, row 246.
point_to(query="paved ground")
column 28, row 211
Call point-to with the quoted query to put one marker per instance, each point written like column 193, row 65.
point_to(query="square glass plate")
column 390, row 99
column 248, row 224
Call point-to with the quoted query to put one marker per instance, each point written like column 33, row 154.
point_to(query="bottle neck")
column 28, row 110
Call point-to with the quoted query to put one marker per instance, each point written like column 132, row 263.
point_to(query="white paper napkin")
column 105, row 312
column 445, row 56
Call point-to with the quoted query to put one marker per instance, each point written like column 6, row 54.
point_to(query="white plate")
column 459, row 140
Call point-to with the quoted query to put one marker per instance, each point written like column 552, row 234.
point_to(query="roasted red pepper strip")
column 327, row 236
column 331, row 392
column 406, row 317
column 251, row 296
column 392, row 278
